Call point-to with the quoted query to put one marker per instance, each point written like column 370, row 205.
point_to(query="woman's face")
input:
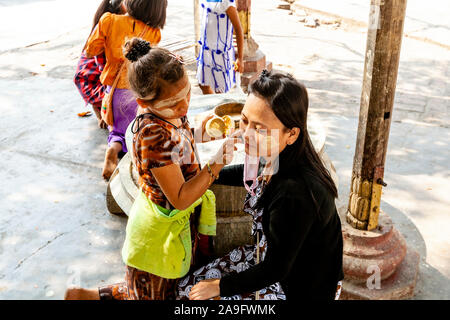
column 173, row 102
column 264, row 134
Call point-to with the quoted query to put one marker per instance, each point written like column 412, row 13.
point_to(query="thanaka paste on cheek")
column 166, row 113
column 170, row 102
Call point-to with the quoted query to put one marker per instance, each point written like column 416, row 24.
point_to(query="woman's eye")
column 261, row 131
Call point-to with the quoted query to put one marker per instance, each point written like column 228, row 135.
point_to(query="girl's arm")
column 200, row 135
column 234, row 18
column 96, row 42
column 182, row 194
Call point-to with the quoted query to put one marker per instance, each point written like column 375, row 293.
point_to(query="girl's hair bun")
column 264, row 74
column 135, row 49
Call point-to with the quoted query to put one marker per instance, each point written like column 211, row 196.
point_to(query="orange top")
column 109, row 37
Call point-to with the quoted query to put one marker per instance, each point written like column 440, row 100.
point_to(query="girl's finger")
column 205, row 119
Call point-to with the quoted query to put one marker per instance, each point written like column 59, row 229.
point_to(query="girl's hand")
column 204, row 137
column 205, row 290
column 238, row 66
column 226, row 152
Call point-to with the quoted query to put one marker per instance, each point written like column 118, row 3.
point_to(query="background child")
column 215, row 63
column 143, row 18
column 87, row 77
column 162, row 232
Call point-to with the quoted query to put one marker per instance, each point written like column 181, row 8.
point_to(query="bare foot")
column 110, row 163
column 81, row 294
column 102, row 124
column 206, row 89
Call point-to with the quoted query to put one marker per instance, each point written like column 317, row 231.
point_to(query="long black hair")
column 288, row 99
column 151, row 12
column 112, row 6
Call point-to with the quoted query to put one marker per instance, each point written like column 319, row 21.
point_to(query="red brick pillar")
column 254, row 59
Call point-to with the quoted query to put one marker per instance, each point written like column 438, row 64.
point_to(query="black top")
column 304, row 239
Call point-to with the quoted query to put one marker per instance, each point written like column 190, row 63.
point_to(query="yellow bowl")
column 216, row 127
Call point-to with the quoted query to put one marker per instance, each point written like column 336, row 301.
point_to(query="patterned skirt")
column 140, row 285
column 238, row 260
column 87, row 78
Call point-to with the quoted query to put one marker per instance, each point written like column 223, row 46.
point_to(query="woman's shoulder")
column 301, row 185
column 302, row 193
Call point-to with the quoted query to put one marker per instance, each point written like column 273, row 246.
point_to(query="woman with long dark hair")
column 298, row 250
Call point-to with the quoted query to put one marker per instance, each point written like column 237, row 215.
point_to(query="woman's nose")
column 247, row 132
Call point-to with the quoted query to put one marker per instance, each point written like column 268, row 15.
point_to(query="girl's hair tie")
column 136, row 48
column 264, row 74
column 177, row 57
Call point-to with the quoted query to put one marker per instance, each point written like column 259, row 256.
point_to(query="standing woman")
column 298, row 253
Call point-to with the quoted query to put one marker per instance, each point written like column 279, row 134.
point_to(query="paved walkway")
column 54, row 226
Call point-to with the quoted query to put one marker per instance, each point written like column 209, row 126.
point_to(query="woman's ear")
column 293, row 135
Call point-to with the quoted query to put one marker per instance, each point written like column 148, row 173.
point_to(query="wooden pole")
column 197, row 25
column 377, row 99
column 244, row 10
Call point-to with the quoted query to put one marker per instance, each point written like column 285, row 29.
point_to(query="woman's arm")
column 231, row 176
column 234, row 18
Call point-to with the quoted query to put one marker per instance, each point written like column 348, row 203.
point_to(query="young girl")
column 144, row 18
column 215, row 63
column 87, row 78
column 174, row 205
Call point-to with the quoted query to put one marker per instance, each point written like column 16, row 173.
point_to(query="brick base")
column 380, row 256
column 249, row 77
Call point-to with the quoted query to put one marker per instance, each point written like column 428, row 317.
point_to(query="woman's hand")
column 205, row 290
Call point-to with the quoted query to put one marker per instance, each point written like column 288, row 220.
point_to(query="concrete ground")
column 55, row 230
